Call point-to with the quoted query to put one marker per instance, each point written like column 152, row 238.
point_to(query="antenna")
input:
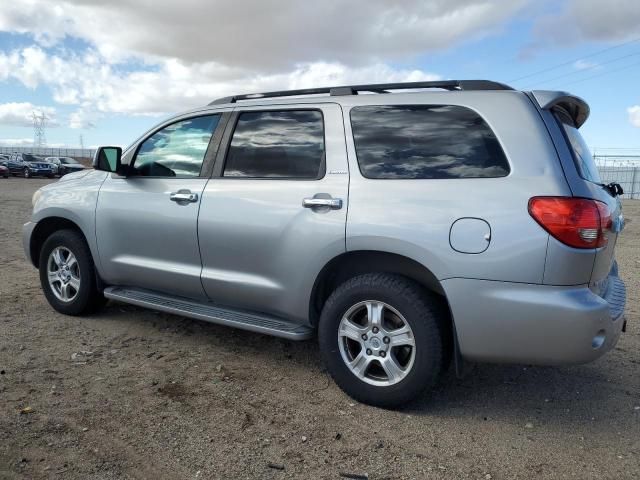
column 39, row 124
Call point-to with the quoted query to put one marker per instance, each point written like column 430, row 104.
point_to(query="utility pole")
column 39, row 124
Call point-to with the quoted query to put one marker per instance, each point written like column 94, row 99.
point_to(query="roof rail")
column 374, row 87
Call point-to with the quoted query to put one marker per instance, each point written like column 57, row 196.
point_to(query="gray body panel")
column 414, row 217
column 249, row 245
column 146, row 240
column 260, row 248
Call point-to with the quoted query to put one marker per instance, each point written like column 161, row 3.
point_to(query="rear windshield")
column 585, row 164
column 425, row 142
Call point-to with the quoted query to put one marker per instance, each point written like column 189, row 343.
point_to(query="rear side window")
column 585, row 164
column 425, row 141
column 277, row 144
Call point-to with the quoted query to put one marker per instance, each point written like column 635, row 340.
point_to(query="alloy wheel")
column 63, row 273
column 376, row 343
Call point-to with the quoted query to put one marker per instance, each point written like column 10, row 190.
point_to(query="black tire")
column 422, row 310
column 50, row 176
column 27, row 173
column 88, row 298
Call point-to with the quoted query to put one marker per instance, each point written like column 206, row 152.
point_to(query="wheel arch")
column 353, row 263
column 43, row 230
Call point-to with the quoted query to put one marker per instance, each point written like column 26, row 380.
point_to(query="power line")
column 591, row 67
column 602, row 74
column 613, row 47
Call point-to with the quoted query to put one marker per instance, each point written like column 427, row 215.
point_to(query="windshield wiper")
column 614, row 188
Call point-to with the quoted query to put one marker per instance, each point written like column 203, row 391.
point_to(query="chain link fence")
column 622, row 169
column 81, row 154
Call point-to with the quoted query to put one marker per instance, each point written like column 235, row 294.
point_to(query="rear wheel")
column 381, row 337
column 67, row 274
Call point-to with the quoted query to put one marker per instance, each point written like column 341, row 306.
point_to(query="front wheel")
column 67, row 274
column 27, row 173
column 381, row 338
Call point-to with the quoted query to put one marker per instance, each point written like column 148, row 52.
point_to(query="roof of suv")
column 450, row 85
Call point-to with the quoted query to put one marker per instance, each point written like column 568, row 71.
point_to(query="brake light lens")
column 577, row 222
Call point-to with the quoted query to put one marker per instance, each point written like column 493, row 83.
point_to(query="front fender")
column 73, row 200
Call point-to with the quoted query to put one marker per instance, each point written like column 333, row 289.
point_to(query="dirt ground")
column 164, row 397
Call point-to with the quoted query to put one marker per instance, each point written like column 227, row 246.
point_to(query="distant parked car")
column 4, row 171
column 30, row 166
column 65, row 165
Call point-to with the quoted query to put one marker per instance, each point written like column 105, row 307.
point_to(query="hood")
column 76, row 175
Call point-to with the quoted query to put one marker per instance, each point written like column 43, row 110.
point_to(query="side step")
column 254, row 322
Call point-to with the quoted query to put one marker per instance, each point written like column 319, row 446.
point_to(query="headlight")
column 35, row 198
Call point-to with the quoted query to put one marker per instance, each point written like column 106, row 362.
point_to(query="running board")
column 253, row 322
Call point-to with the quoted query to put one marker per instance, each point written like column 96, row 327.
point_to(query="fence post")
column 633, row 182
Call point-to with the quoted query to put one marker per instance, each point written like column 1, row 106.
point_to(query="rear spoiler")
column 576, row 107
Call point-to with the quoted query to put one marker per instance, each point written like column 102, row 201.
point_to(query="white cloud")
column 21, row 114
column 269, row 35
column 585, row 65
column 97, row 87
column 82, row 118
column 591, row 20
column 153, row 58
column 16, row 142
column 634, row 115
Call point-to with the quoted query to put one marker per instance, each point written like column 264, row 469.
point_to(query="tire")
column 403, row 301
column 84, row 299
column 27, row 173
column 50, row 176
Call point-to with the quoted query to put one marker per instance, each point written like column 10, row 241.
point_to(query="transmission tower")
column 81, row 142
column 39, row 124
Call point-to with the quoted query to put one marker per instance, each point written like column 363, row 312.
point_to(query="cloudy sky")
column 109, row 70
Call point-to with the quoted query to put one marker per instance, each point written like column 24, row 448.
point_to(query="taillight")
column 577, row 222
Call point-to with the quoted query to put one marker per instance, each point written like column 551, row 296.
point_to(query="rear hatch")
column 587, row 170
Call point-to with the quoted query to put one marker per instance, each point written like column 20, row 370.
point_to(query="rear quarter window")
column 425, row 142
column 582, row 157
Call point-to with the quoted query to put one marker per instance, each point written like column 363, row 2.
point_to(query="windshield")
column 31, row 158
column 582, row 156
column 68, row 161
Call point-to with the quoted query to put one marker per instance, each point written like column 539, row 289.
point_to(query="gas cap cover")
column 470, row 235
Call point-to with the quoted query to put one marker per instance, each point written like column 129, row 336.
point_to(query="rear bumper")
column 537, row 324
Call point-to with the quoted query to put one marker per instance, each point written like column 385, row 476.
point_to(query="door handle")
column 183, row 196
column 332, row 203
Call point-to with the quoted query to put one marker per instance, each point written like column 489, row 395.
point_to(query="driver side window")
column 177, row 150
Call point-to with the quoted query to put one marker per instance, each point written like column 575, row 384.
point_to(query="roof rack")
column 374, row 87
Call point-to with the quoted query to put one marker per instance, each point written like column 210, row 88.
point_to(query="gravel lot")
column 160, row 397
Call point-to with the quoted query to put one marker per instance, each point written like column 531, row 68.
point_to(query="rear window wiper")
column 614, row 188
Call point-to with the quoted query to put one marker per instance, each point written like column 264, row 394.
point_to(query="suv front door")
column 146, row 221
column 274, row 212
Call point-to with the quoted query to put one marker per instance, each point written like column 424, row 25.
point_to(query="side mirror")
column 109, row 159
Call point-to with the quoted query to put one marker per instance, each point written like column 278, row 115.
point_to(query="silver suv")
column 461, row 221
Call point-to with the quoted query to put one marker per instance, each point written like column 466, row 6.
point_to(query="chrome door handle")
column 332, row 203
column 183, row 196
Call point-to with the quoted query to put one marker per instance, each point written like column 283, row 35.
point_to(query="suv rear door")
column 274, row 211
column 564, row 115
column 590, row 177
